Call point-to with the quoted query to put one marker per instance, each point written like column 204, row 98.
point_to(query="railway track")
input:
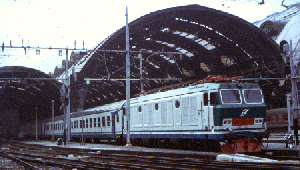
column 42, row 157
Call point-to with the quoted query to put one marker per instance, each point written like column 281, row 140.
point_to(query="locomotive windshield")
column 253, row 96
column 230, row 96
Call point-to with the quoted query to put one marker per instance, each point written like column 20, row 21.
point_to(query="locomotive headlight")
column 258, row 120
column 227, row 122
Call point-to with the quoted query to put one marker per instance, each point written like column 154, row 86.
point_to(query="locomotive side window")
column 231, row 96
column 177, row 104
column 156, row 106
column 205, row 99
column 213, row 99
column 253, row 96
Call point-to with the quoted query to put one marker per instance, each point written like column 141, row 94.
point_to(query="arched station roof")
column 26, row 89
column 212, row 42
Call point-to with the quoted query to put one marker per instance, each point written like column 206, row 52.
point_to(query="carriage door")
column 207, row 110
column 113, row 123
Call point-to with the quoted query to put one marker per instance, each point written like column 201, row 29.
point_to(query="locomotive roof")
column 160, row 95
column 192, row 89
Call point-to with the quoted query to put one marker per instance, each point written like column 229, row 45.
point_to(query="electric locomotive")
column 230, row 113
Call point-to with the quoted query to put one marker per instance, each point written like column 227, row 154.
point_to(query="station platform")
column 144, row 151
column 139, row 150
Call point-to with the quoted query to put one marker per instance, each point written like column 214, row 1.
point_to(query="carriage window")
column 95, row 122
column 273, row 118
column 108, row 120
column 72, row 125
column 103, row 121
column 91, row 122
column 99, row 122
column 285, row 117
column 268, row 118
column 87, row 123
column 253, row 96
column 231, row 96
column 117, row 118
column 83, row 123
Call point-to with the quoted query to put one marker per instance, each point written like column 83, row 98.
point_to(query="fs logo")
column 244, row 112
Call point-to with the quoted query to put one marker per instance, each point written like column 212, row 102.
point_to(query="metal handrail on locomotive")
column 201, row 115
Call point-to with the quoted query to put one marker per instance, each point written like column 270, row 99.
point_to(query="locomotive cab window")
column 253, row 96
column 231, row 96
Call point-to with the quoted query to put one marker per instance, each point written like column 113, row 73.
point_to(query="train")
column 226, row 116
column 277, row 120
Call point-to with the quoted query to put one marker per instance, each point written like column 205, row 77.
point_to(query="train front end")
column 241, row 114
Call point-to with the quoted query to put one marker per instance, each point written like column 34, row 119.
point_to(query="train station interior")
column 211, row 42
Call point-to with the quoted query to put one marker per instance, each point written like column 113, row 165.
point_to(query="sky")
column 57, row 23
